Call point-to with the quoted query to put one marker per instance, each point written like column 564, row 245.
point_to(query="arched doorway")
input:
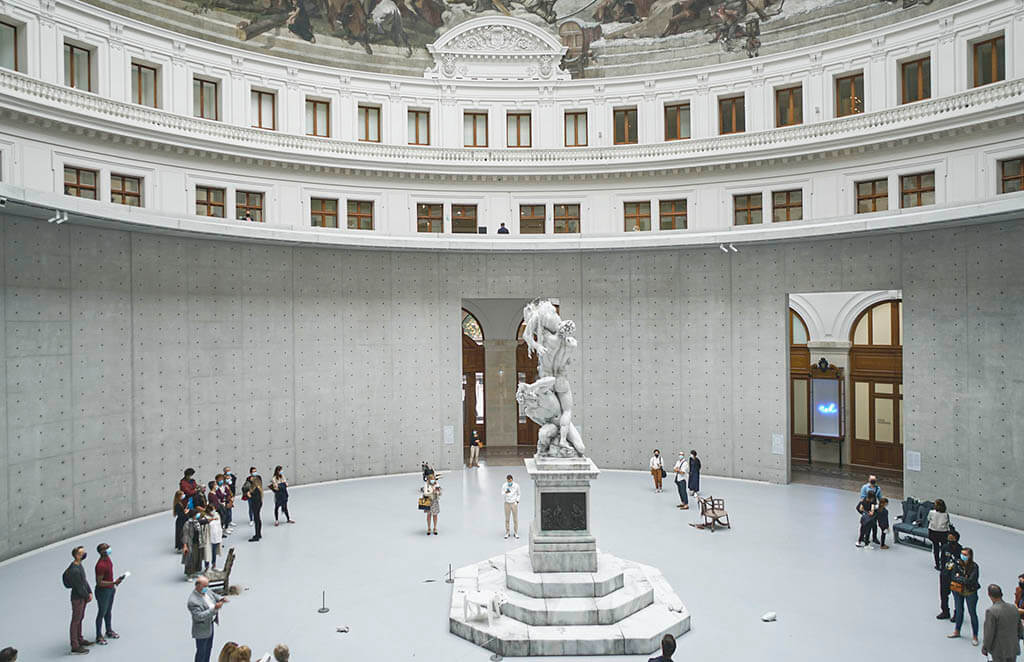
column 526, row 373
column 473, row 409
column 876, row 395
column 799, row 388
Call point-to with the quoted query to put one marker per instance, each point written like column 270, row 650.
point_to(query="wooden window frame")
column 518, row 117
column 366, row 123
column 575, row 114
column 674, row 108
column 209, row 204
column 137, row 68
column 625, row 112
column 415, row 113
column 71, row 60
column 429, row 219
column 259, row 110
column 565, row 220
column 675, row 214
column 77, row 186
column 203, row 82
column 922, row 80
column 733, row 101
column 247, row 206
column 475, row 218
column 792, row 107
column 874, row 196
column 533, row 217
column 319, row 214
column 123, row 191
column 895, row 311
column 636, row 217
column 359, row 215
column 316, row 103
column 918, row 190
column 748, row 208
column 852, row 80
column 1019, row 176
column 476, row 114
column 788, row 205
column 17, row 33
column 995, row 42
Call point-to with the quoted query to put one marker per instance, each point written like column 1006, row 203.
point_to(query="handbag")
column 663, row 472
column 956, row 586
column 423, row 503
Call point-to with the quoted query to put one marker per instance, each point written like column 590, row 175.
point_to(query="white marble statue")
column 548, row 401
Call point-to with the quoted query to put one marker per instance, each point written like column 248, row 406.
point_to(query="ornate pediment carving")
column 497, row 48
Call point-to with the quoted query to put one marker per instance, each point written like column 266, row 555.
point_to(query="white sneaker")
column 250, row 524
column 506, row 535
column 860, row 544
column 517, row 536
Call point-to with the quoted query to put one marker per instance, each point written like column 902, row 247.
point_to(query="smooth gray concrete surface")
column 128, row 356
column 791, row 550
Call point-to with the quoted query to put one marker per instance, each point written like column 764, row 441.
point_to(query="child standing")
column 882, row 520
column 866, row 508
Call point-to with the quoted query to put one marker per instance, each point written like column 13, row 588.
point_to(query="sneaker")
column 860, row 544
column 101, row 641
column 113, row 635
column 79, row 651
column 250, row 523
column 254, row 539
column 517, row 536
column 86, row 642
column 943, row 616
column 684, row 507
column 885, row 547
column 506, row 535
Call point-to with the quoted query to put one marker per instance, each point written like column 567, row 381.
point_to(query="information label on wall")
column 913, row 461
column 449, row 435
column 778, row 444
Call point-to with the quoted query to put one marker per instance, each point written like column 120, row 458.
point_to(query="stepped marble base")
column 622, row 608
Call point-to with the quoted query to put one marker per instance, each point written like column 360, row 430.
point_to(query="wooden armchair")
column 713, row 512
column 220, row 579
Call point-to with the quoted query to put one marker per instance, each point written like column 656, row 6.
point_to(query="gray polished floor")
column 791, row 551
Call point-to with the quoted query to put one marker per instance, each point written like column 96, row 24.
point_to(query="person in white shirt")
column 681, row 468
column 656, row 468
column 510, row 490
column 216, row 536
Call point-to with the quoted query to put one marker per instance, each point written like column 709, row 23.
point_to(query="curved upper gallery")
column 880, row 117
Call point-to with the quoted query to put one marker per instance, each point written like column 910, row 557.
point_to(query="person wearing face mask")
column 230, row 480
column 948, row 561
column 433, row 490
column 938, row 529
column 680, row 471
column 280, row 487
column 106, row 585
column 224, row 497
column 657, row 467
column 252, row 491
column 871, row 487
column 204, row 606
column 81, row 595
column 216, row 537
column 196, row 537
column 965, row 593
column 510, row 490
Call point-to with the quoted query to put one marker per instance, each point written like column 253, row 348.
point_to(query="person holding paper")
column 106, row 586
column 204, row 606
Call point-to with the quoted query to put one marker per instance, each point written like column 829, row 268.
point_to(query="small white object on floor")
column 769, row 617
column 343, row 629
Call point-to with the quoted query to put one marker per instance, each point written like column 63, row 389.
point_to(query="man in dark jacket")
column 668, row 647
column 81, row 594
column 948, row 558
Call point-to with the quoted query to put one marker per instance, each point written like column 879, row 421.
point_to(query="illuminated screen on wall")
column 825, row 407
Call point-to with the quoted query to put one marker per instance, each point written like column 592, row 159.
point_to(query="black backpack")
column 66, row 577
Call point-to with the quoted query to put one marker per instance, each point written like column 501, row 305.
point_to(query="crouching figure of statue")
column 548, row 401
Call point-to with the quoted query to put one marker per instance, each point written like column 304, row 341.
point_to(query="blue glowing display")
column 828, row 408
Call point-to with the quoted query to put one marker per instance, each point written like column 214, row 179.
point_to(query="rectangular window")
column 731, row 115
column 249, row 206
column 369, row 124
column 625, row 126
column 519, row 130
column 264, row 110
column 677, row 121
column 872, row 196
column 323, row 213
column 474, row 130
column 1011, row 176
column 531, row 219
column 989, row 61
column 210, row 201
column 360, row 214
column 464, row 219
column 78, row 67
column 787, row 206
column 636, row 216
column 144, row 80
column 850, row 95
column 8, row 46
column 125, row 190
column 917, row 190
column 419, row 127
column 429, row 217
column 576, row 128
column 205, row 103
column 318, row 118
column 81, row 183
column 746, row 209
column 567, row 219
column 916, row 80
column 672, row 214
column 789, row 106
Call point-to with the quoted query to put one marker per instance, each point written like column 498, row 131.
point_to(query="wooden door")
column 473, row 410
column 526, row 372
column 799, row 389
column 876, row 394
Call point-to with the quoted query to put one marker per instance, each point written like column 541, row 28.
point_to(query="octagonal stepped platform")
column 624, row 608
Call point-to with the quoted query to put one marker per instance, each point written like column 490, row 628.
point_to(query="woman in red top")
column 188, row 483
column 106, row 586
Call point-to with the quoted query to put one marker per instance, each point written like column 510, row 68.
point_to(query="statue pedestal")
column 560, row 537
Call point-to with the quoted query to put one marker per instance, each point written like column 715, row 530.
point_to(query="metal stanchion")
column 323, row 605
column 496, row 657
column 450, row 580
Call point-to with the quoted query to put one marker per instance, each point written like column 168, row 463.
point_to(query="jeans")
column 251, row 516
column 681, row 488
column 104, row 606
column 204, row 647
column 972, row 609
column 214, row 551
column 77, row 616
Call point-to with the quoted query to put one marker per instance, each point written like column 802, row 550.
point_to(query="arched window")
column 876, row 396
column 798, row 334
column 471, row 327
column 879, row 325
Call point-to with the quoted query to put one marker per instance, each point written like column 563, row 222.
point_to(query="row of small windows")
column 915, row 190
column 988, row 59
